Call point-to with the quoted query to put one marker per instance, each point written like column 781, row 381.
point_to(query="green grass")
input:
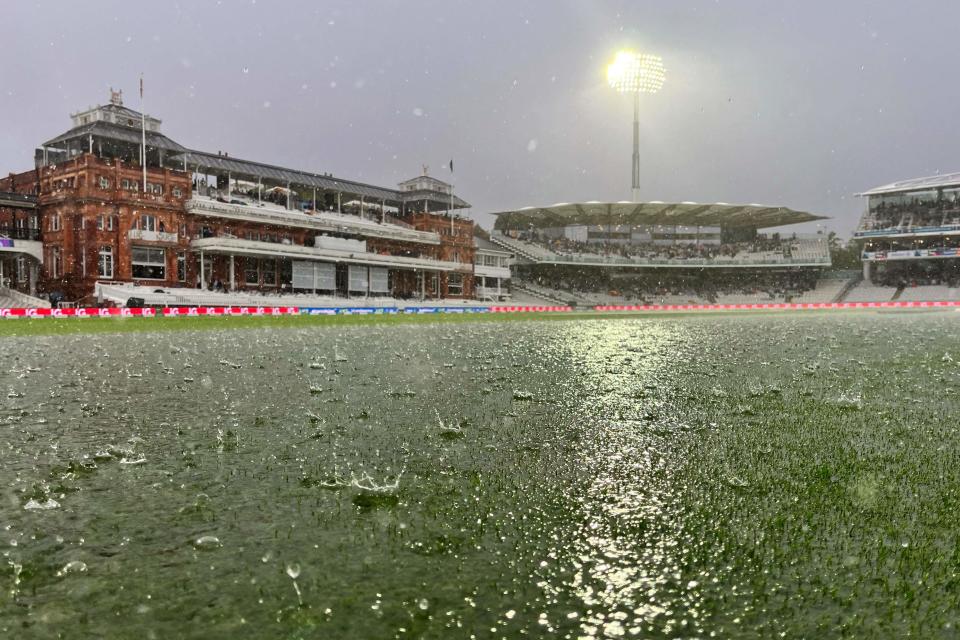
column 67, row 326
column 58, row 326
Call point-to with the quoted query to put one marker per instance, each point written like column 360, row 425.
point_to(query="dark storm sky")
column 794, row 103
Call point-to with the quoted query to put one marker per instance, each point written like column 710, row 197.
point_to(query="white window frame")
column 148, row 262
column 105, row 262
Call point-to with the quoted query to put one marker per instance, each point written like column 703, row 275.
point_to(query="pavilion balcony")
column 152, row 236
column 269, row 213
column 254, row 248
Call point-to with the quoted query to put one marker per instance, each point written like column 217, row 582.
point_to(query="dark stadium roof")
column 102, row 129
column 916, row 184
column 719, row 214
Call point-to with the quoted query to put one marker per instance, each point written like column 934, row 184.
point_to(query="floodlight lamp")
column 636, row 72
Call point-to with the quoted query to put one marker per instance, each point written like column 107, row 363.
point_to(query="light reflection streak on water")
column 627, row 556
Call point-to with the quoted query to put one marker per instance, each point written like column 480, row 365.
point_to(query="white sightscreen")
column 357, row 279
column 378, row 280
column 326, row 274
column 303, row 277
column 314, row 275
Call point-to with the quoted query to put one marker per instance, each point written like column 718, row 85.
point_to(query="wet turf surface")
column 668, row 477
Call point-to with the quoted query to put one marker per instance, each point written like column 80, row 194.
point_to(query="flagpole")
column 143, row 138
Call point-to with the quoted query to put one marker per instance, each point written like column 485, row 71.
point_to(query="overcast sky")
column 800, row 104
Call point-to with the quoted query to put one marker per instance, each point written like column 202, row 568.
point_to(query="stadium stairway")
column 11, row 299
column 851, row 283
column 537, row 295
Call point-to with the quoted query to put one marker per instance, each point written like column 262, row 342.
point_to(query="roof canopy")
column 652, row 213
column 916, row 184
column 110, row 131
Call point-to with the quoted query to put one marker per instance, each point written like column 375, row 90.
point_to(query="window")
column 34, row 222
column 105, row 263
column 455, row 284
column 181, row 266
column 21, row 269
column 147, row 223
column 177, row 193
column 104, row 183
column 251, row 274
column 56, row 265
column 55, row 223
column 149, row 263
column 99, row 223
column 269, row 268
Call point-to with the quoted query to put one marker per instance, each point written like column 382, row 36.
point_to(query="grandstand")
column 867, row 291
column 609, row 253
column 911, row 239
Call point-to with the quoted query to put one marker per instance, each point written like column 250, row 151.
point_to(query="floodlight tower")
column 636, row 73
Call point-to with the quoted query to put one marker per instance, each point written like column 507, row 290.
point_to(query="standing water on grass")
column 681, row 477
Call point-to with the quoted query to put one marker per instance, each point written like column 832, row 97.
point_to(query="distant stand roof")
column 916, row 184
column 653, row 213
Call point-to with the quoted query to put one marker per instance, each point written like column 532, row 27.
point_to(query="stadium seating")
column 526, row 249
column 794, row 250
column 928, row 293
column 866, row 291
column 826, row 290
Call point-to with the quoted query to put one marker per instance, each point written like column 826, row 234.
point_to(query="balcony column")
column 361, row 208
column 383, row 211
column 203, row 279
column 228, row 187
column 233, row 280
column 33, row 277
column 338, row 202
column 288, row 195
column 314, row 198
column 866, row 270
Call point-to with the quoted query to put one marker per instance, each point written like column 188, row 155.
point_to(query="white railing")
column 187, row 297
column 322, row 220
column 229, row 246
column 151, row 236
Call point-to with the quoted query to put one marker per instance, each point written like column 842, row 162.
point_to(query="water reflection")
column 627, row 552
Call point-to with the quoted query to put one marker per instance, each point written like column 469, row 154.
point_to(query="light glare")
column 636, row 72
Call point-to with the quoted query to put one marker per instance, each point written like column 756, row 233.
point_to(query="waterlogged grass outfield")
column 736, row 476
